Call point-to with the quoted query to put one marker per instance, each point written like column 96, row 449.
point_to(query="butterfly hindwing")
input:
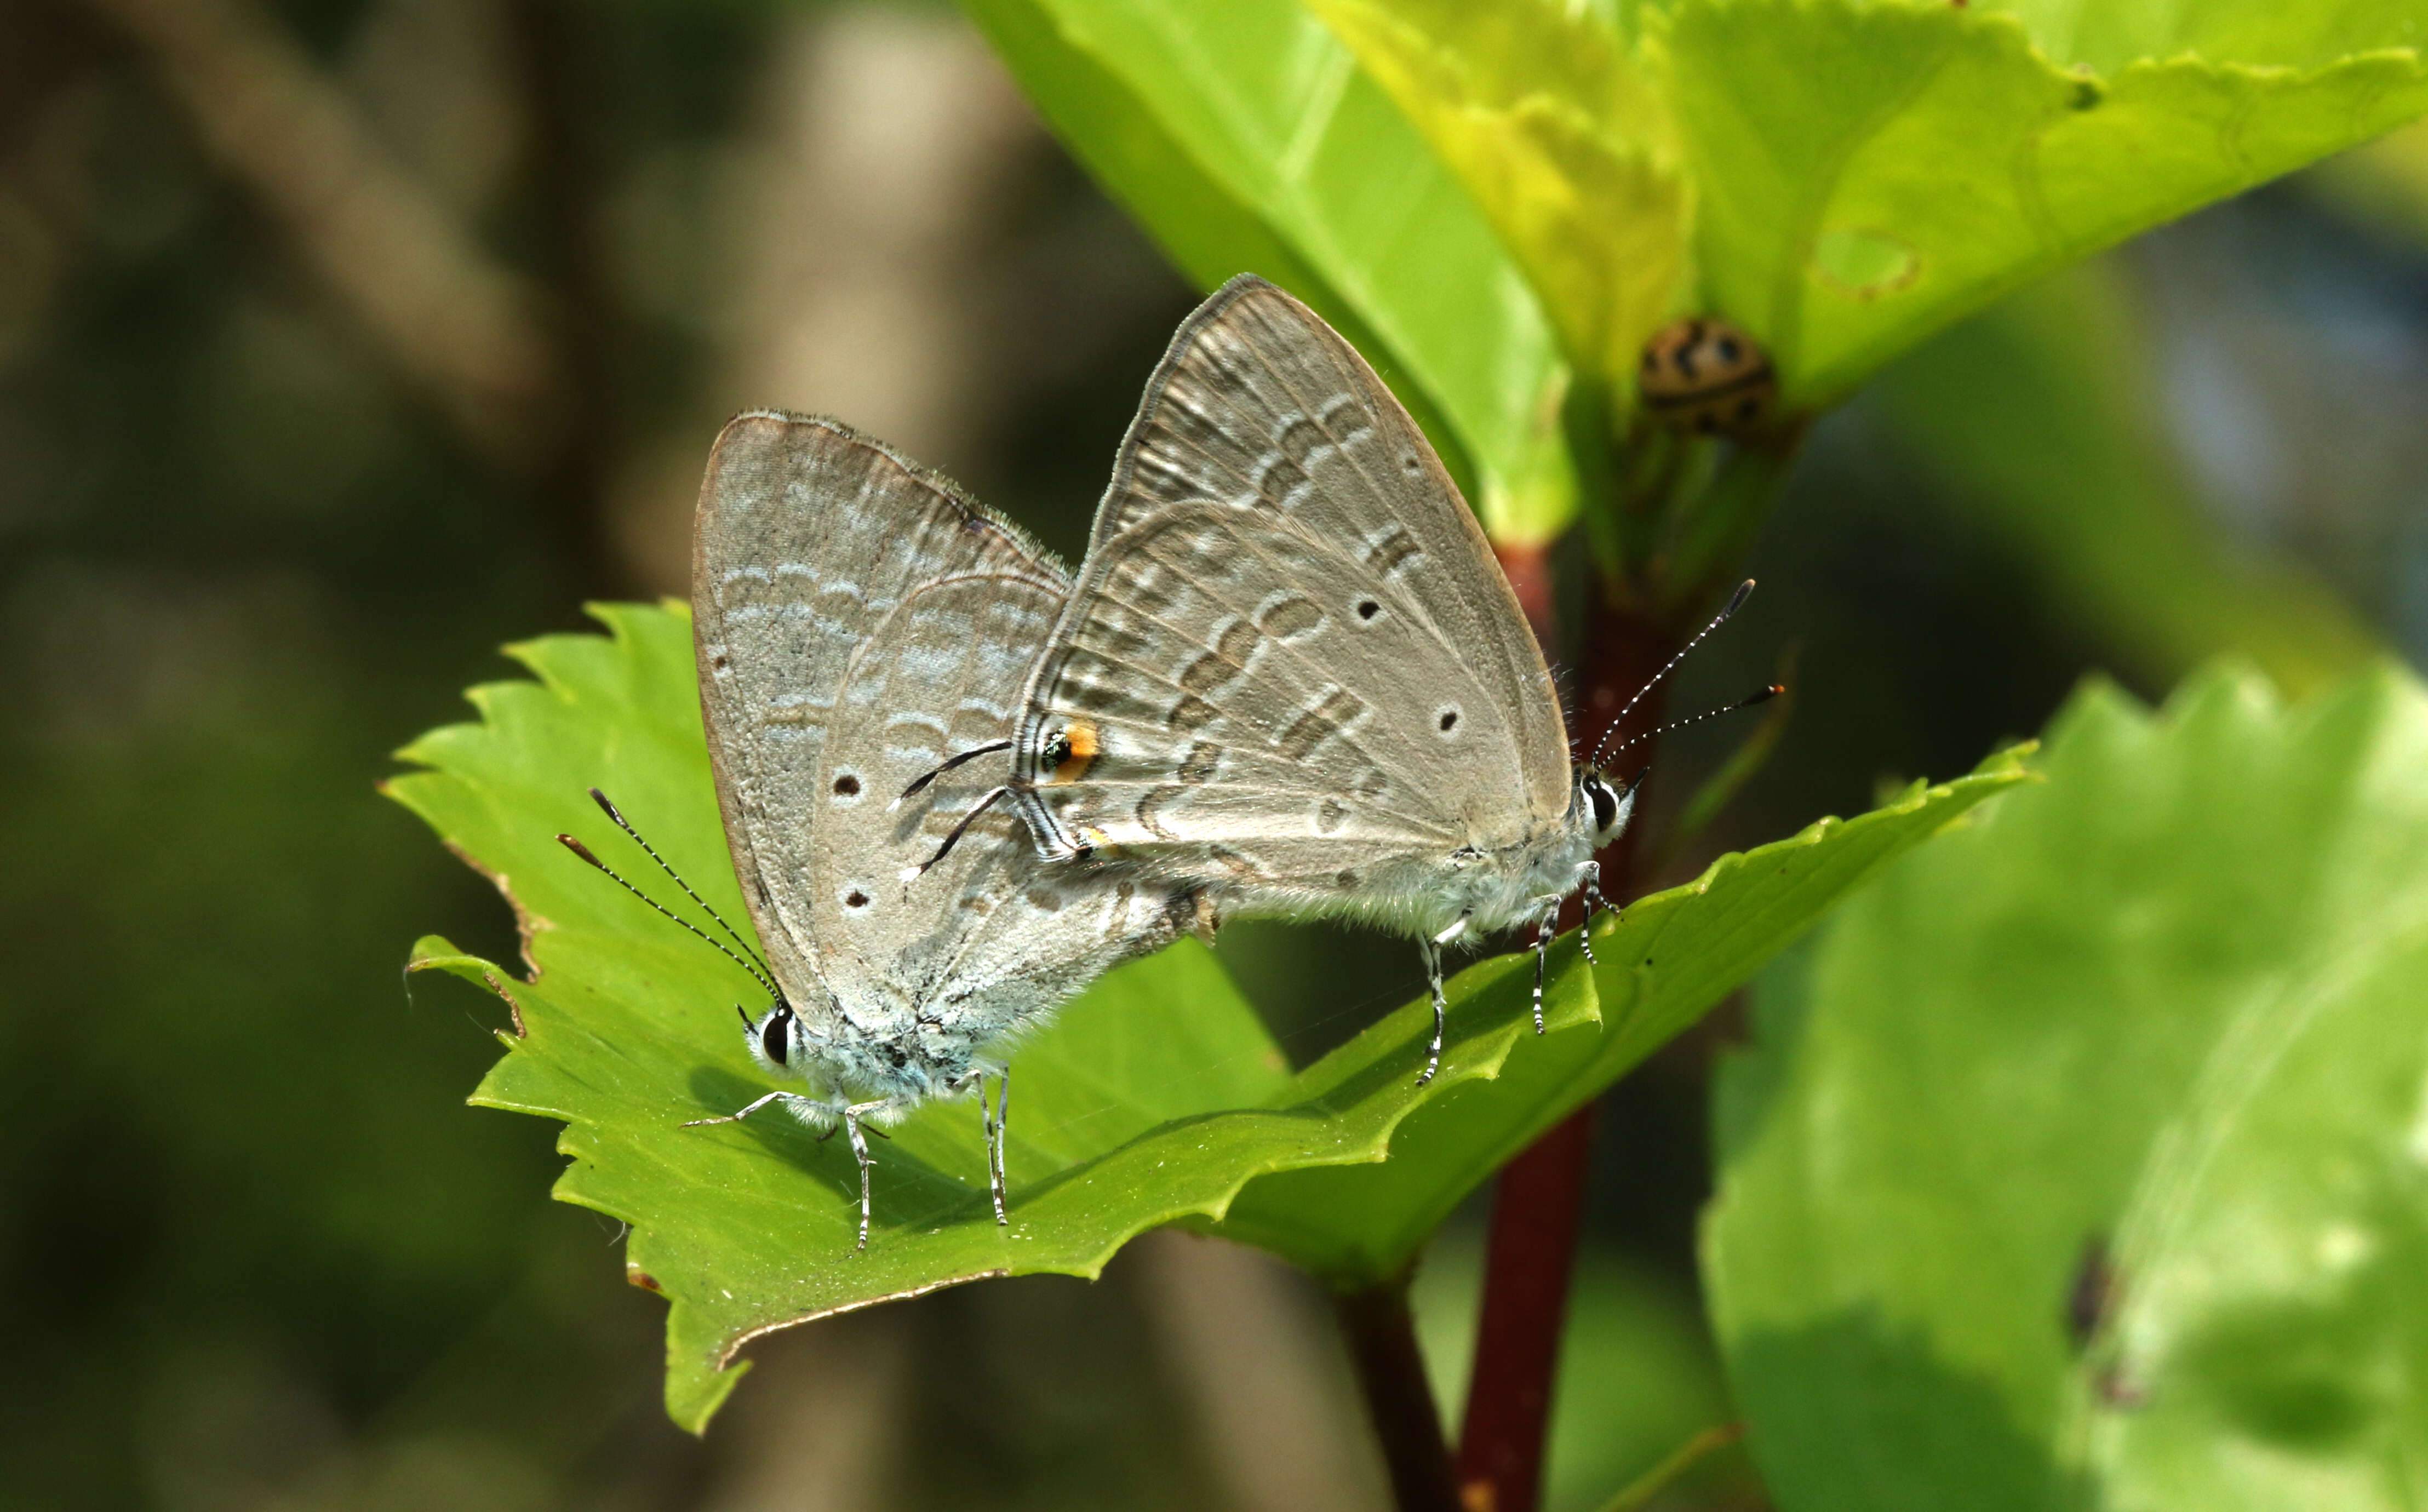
column 938, row 675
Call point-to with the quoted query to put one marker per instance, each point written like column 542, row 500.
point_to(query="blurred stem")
column 1538, row 1202
column 461, row 325
column 556, row 48
column 1382, row 1335
column 1709, row 533
column 1536, row 1208
column 1529, row 571
column 1675, row 515
column 1639, row 1492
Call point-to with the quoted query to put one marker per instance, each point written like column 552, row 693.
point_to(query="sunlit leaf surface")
column 1564, row 143
column 1155, row 1096
column 1842, row 177
column 2085, row 1161
column 1245, row 139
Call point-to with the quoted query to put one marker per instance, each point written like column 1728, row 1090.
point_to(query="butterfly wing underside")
column 991, row 934
column 1289, row 656
column 808, row 537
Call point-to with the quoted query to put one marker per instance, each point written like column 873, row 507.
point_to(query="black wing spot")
column 855, row 899
column 846, row 786
column 1368, row 609
column 1447, row 720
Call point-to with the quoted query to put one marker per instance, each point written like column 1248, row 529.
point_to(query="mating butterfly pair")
column 958, row 783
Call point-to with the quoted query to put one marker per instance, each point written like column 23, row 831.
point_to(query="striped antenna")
column 1760, row 695
column 1736, row 601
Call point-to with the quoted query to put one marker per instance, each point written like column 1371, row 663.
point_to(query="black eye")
column 1605, row 803
column 775, row 1038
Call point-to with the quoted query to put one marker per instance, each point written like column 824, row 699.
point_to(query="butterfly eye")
column 1605, row 803
column 775, row 1036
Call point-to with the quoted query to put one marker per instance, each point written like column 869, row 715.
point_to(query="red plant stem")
column 1537, row 1206
column 1529, row 571
column 1382, row 1335
column 1539, row 1200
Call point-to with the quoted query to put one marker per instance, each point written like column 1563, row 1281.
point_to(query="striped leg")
column 852, row 1117
column 1543, row 932
column 1441, row 1009
column 995, row 1125
column 1593, row 901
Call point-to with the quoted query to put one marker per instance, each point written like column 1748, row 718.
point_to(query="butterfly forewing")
column 1283, row 597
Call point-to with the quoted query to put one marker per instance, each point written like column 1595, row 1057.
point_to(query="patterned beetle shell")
column 1706, row 376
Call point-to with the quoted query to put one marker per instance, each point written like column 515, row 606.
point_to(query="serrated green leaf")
column 1244, row 138
column 1663, row 962
column 1867, row 173
column 1842, row 177
column 1155, row 1096
column 2167, row 1004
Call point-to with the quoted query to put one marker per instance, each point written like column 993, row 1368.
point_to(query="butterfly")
column 856, row 618
column 1290, row 672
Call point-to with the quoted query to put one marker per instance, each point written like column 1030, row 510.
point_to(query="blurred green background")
column 291, row 440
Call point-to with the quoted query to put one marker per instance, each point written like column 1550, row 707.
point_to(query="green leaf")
column 1842, row 177
column 1564, row 143
column 1155, row 1096
column 2167, row 1005
column 1244, row 138
column 1867, row 173
column 1663, row 963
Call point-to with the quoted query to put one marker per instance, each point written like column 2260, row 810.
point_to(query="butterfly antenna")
column 911, row 873
column 625, row 825
column 919, row 784
column 760, row 978
column 1758, row 695
column 1736, row 601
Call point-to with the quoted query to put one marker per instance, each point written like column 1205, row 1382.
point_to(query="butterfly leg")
column 1434, row 978
column 995, row 1127
column 755, row 1104
column 1441, row 1009
column 1543, row 931
column 1593, row 901
column 852, row 1117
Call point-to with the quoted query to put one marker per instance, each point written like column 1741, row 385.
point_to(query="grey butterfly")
column 1290, row 672
column 856, row 620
